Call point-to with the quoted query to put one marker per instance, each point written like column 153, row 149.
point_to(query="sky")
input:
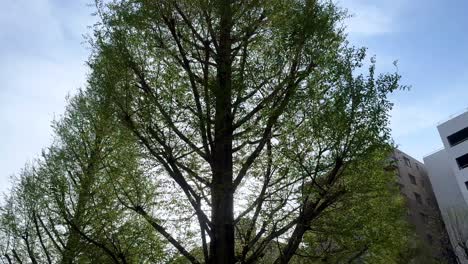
column 428, row 39
column 43, row 56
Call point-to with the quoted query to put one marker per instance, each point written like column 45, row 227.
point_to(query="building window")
column 424, row 218
column 428, row 201
column 462, row 161
column 407, row 161
column 412, row 179
column 418, row 198
column 458, row 137
column 430, row 239
column 417, row 166
column 466, row 185
column 400, row 186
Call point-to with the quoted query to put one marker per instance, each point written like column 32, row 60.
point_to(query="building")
column 448, row 173
column 423, row 211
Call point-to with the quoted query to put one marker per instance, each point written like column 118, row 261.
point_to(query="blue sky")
column 429, row 40
column 43, row 59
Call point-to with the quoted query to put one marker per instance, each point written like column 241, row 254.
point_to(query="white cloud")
column 417, row 113
column 414, row 127
column 29, row 26
column 370, row 18
column 410, row 119
column 42, row 61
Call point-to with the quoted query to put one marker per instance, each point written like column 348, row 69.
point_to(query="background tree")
column 22, row 239
column 457, row 227
column 367, row 225
column 66, row 209
column 250, row 111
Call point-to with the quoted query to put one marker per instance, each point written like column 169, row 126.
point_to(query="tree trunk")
column 8, row 258
column 73, row 241
column 41, row 240
column 70, row 250
column 76, row 223
column 294, row 243
column 222, row 246
column 15, row 254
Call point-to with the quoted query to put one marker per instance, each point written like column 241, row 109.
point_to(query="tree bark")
column 222, row 246
column 8, row 258
column 73, row 242
column 294, row 241
column 15, row 254
column 41, row 240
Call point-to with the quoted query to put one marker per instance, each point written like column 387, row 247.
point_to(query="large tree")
column 252, row 113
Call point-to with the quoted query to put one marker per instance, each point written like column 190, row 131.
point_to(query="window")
column 430, row 239
column 408, row 212
column 418, row 198
column 462, row 161
column 400, row 186
column 417, row 166
column 429, row 201
column 424, row 218
column 458, row 137
column 412, row 179
column 407, row 161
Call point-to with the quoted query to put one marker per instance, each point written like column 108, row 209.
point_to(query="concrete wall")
column 443, row 180
column 447, row 191
column 448, row 180
column 424, row 215
column 446, row 129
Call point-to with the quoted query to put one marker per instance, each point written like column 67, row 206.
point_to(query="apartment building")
column 448, row 173
column 423, row 211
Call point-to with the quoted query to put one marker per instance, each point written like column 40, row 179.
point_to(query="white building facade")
column 448, row 173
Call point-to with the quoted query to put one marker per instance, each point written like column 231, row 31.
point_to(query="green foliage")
column 66, row 206
column 367, row 225
column 234, row 130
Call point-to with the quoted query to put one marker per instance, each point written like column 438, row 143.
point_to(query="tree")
column 457, row 228
column 19, row 226
column 247, row 110
column 367, row 225
column 65, row 207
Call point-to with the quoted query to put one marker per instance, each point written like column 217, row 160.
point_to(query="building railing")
column 434, row 151
column 459, row 112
